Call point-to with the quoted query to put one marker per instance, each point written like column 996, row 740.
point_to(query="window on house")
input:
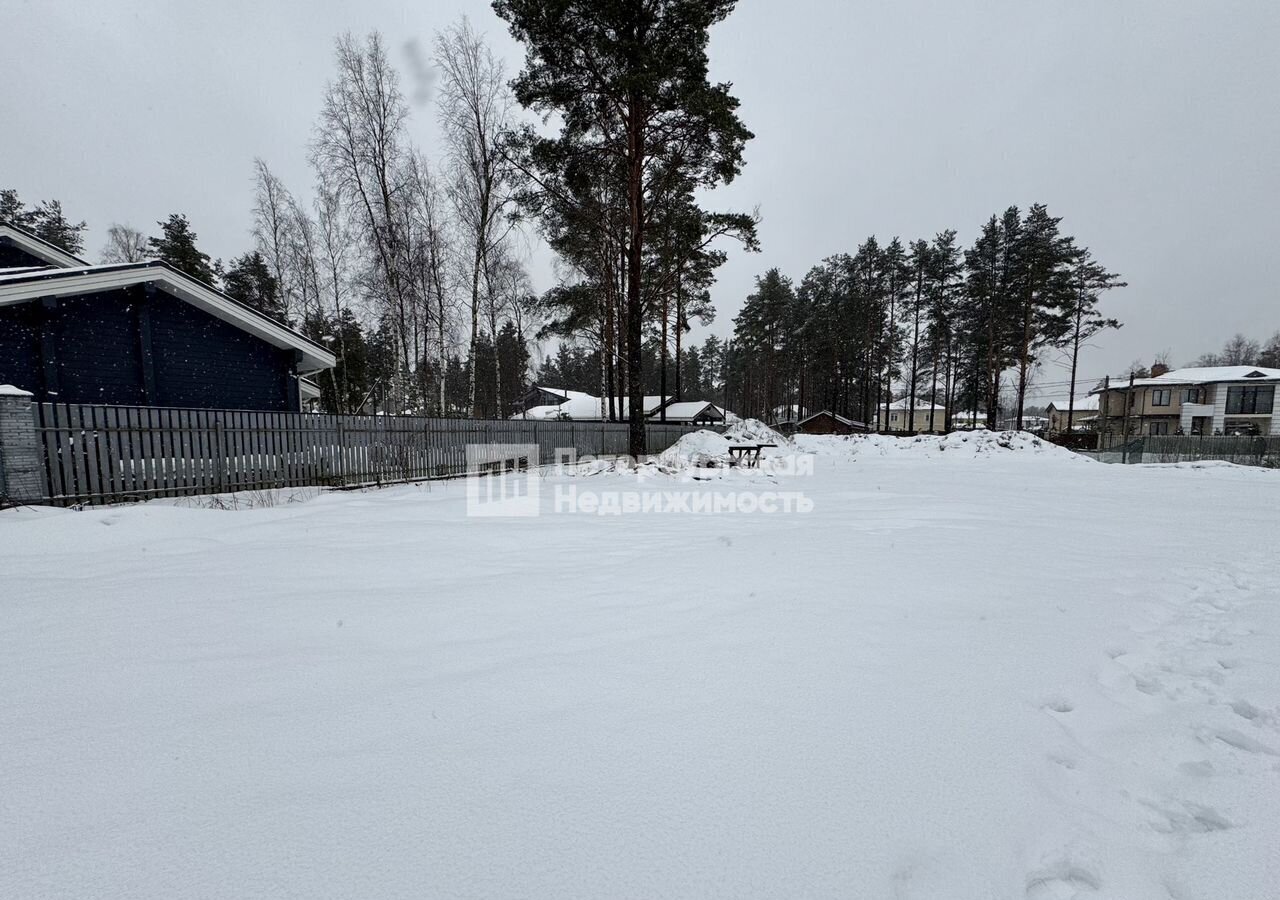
column 1249, row 400
column 1161, row 397
column 1192, row 395
column 1158, row 427
column 893, row 417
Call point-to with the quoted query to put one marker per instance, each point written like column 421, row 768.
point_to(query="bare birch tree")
column 360, row 148
column 125, row 244
column 475, row 111
column 273, row 223
column 432, row 249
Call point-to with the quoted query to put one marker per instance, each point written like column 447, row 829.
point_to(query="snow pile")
column 753, row 431
column 699, row 448
column 706, row 449
column 957, row 445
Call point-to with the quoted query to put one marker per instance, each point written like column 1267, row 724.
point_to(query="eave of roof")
column 25, row 287
column 38, row 247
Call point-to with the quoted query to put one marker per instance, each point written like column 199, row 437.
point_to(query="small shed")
column 827, row 422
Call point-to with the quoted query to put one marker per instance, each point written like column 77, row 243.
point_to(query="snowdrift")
column 957, row 445
column 707, row 449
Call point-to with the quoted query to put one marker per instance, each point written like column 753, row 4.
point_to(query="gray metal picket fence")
column 104, row 454
column 1245, row 450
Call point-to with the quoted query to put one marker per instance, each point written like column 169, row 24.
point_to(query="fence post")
column 21, row 466
column 340, row 464
column 220, row 452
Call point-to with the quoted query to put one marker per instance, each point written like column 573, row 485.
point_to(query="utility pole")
column 1104, row 402
column 1128, row 398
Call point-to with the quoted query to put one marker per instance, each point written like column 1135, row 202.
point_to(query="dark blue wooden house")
column 139, row 334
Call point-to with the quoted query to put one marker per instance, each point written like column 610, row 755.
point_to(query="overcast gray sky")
column 1151, row 127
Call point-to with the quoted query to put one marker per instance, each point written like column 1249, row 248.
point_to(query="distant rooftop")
column 1201, row 375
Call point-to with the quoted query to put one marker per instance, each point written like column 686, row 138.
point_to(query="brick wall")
column 21, row 468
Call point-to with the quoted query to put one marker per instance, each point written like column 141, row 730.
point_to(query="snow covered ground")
column 971, row 672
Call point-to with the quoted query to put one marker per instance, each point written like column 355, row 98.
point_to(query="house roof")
column 844, row 420
column 688, row 411
column 38, row 247
column 587, row 408
column 904, row 403
column 25, row 286
column 561, row 392
column 1082, row 404
column 1200, row 375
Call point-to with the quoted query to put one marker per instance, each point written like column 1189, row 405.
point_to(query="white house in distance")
column 1196, row 400
column 902, row 419
column 1084, row 414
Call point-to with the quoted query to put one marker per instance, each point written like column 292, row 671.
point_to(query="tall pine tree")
column 177, row 246
column 628, row 82
column 249, row 280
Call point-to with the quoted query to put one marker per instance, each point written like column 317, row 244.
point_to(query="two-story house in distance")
column 1198, row 400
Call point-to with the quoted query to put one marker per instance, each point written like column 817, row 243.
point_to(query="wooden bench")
column 746, row 455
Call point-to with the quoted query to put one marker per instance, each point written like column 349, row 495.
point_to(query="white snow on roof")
column 920, row 404
column 1201, row 375
column 839, row 418
column 586, row 408
column 688, row 410
column 566, row 394
column 8, row 390
column 1082, row 404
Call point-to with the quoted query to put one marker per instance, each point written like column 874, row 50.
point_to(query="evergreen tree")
column 943, row 285
column 177, row 247
column 896, row 278
column 13, row 211
column 513, row 354
column 1088, row 281
column 759, row 332
column 628, row 80
column 45, row 221
column 983, row 320
column 48, row 223
column 1043, row 259
column 920, row 264
column 345, row 386
column 249, row 280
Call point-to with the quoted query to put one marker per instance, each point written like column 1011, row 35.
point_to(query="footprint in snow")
column 1192, row 819
column 1199, row 769
column 1058, row 704
column 1061, row 759
column 1149, row 686
column 1240, row 741
column 1061, row 882
column 1246, row 710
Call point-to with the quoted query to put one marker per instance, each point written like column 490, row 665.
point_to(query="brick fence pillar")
column 21, row 468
